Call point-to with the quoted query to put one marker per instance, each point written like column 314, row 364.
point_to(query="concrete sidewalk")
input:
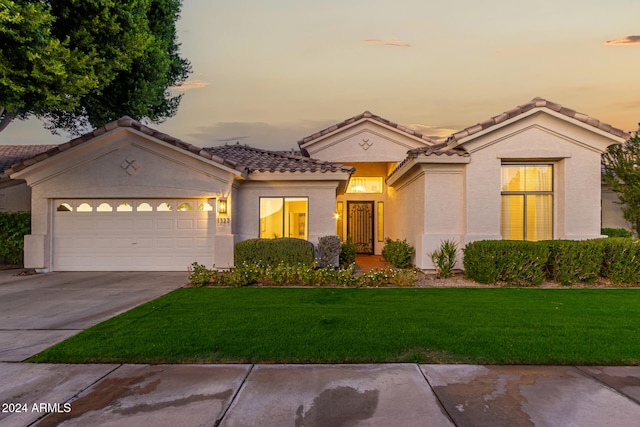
column 318, row 395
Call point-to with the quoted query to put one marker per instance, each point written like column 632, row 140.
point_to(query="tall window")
column 283, row 217
column 526, row 203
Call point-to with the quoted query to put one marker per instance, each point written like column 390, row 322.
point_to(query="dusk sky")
column 268, row 73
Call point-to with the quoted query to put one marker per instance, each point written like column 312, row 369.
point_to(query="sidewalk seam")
column 78, row 393
column 598, row 380
column 444, row 409
column 233, row 398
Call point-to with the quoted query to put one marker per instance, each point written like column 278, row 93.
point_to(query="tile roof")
column 365, row 115
column 534, row 103
column 242, row 158
column 434, row 150
column 12, row 154
column 124, row 122
column 438, row 150
column 259, row 160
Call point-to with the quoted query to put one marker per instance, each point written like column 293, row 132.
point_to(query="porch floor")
column 367, row 263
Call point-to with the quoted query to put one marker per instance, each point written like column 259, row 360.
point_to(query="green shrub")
column 575, row 261
column 13, row 228
column 329, row 251
column 347, row 253
column 616, row 232
column 621, row 260
column 398, row 253
column 514, row 262
column 444, row 258
column 274, row 251
column 199, row 275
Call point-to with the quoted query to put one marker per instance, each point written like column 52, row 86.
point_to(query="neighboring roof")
column 365, row 115
column 535, row 103
column 11, row 154
column 258, row 160
column 124, row 122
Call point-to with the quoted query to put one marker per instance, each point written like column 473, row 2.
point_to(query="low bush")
column 444, row 258
column 286, row 275
column 398, row 253
column 616, row 232
column 329, row 251
column 514, row 262
column 199, row 275
column 621, row 260
column 575, row 261
column 274, row 251
column 347, row 253
column 13, row 227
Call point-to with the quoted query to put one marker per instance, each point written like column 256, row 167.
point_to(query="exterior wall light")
column 222, row 206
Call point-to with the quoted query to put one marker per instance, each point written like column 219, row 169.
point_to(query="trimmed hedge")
column 616, row 232
column 566, row 261
column 516, row 262
column 621, row 260
column 575, row 261
column 13, row 227
column 286, row 250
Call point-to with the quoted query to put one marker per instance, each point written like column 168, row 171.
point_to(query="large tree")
column 79, row 63
column 621, row 172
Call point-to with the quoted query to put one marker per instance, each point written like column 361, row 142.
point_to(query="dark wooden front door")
column 360, row 225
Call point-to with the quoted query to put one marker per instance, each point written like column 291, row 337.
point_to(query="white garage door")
column 132, row 235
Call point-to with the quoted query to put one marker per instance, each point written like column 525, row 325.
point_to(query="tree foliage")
column 621, row 172
column 76, row 64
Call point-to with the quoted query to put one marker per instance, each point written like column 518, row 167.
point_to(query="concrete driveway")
column 40, row 310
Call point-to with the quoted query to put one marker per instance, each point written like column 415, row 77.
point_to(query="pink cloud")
column 191, row 84
column 393, row 42
column 624, row 40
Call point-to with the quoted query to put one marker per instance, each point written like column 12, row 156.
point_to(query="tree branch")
column 5, row 118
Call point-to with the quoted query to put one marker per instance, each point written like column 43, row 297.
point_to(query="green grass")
column 293, row 325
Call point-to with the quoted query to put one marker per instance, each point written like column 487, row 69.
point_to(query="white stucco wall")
column 95, row 170
column 406, row 212
column 573, row 150
column 322, row 205
column 429, row 207
column 14, row 197
column 366, row 141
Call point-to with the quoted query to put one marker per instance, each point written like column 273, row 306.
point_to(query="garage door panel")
column 164, row 224
column 143, row 224
column 131, row 240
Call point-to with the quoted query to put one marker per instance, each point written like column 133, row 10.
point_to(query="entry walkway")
column 318, row 395
column 366, row 263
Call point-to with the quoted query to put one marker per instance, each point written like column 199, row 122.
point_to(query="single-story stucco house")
column 127, row 197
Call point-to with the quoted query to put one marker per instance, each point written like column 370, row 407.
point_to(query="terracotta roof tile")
column 28, row 159
column 534, row 103
column 259, row 160
column 12, row 154
column 365, row 115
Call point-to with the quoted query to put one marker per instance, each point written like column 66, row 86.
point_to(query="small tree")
column 621, row 172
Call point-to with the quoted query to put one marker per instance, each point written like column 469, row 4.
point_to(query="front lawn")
column 336, row 325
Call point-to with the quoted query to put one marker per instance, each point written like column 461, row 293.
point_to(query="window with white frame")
column 526, row 202
column 283, row 217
